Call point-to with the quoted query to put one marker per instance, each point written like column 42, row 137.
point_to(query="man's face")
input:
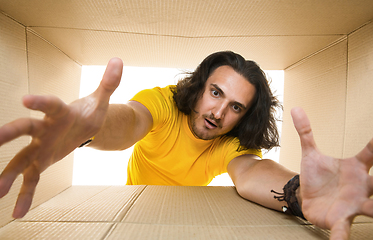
column 226, row 99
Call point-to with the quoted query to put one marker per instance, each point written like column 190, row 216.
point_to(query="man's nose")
column 220, row 110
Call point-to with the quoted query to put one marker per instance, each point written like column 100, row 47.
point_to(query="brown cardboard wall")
column 181, row 33
column 29, row 64
column 359, row 108
column 51, row 71
column 138, row 49
column 318, row 85
column 334, row 87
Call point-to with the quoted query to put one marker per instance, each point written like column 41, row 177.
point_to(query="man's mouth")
column 209, row 124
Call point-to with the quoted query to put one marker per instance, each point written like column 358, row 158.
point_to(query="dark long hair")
column 257, row 128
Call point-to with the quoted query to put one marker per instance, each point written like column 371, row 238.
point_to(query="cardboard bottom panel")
column 54, row 230
column 163, row 212
column 151, row 231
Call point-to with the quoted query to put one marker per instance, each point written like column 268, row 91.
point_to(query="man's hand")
column 333, row 191
column 63, row 128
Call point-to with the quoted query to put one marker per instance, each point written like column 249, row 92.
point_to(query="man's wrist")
column 87, row 142
column 291, row 197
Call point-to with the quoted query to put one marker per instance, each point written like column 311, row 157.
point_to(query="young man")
column 197, row 127
column 216, row 120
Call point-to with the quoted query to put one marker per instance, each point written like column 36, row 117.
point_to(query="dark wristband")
column 289, row 196
column 86, row 142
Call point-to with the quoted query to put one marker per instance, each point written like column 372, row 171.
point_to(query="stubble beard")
column 200, row 134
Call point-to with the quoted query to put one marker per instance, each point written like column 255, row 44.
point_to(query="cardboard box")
column 324, row 47
column 163, row 212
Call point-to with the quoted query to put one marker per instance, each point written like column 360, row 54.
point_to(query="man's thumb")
column 110, row 80
column 303, row 127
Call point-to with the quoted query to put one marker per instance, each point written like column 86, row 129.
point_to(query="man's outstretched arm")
column 332, row 191
column 64, row 127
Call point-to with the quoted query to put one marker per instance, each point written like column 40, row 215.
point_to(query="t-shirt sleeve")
column 157, row 101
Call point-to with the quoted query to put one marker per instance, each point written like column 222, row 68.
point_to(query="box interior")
column 324, row 48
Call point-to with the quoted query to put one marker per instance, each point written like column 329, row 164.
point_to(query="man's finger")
column 340, row 230
column 303, row 127
column 30, row 180
column 15, row 167
column 110, row 80
column 367, row 208
column 50, row 105
column 19, row 127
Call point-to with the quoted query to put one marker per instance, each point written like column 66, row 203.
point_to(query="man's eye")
column 236, row 108
column 215, row 93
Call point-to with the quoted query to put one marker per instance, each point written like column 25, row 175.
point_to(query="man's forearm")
column 124, row 125
column 255, row 179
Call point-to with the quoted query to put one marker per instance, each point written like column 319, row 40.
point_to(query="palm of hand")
column 333, row 191
column 57, row 135
column 332, row 196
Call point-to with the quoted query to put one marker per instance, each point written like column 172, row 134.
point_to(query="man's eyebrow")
column 221, row 91
column 240, row 105
column 217, row 88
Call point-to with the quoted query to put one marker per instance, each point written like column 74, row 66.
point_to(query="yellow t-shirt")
column 170, row 154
